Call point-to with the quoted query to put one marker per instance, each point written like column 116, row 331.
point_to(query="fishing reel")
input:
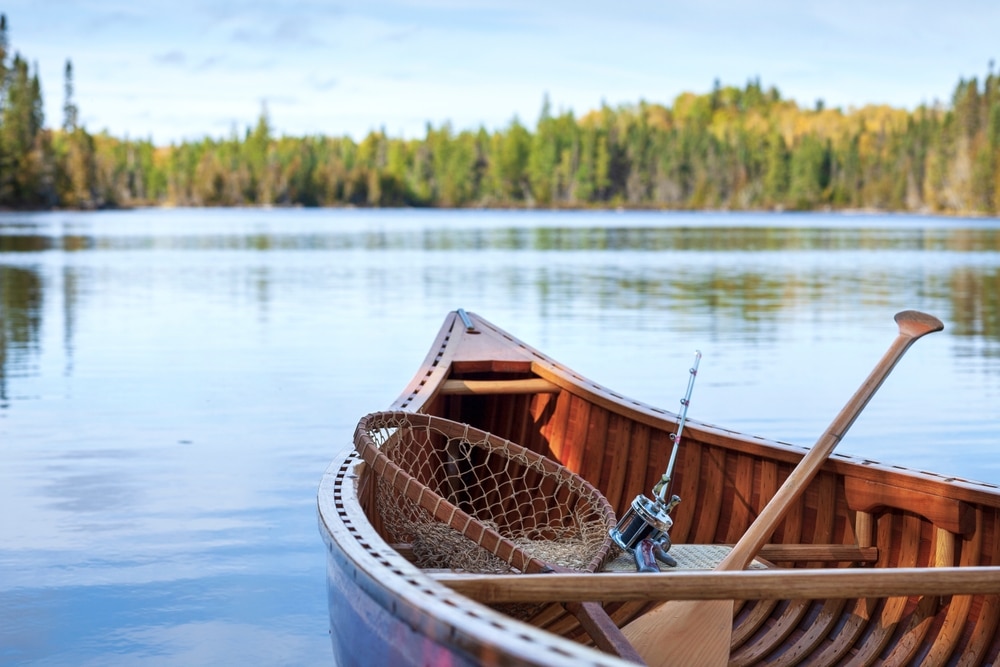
column 644, row 530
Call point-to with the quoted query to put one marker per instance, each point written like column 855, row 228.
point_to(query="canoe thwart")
column 472, row 387
column 771, row 584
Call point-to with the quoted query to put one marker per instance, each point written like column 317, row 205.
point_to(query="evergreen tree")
column 809, row 173
column 256, row 148
column 70, row 112
column 78, row 186
column 776, row 170
column 4, row 51
column 5, row 162
column 20, row 177
column 544, row 157
column 509, row 169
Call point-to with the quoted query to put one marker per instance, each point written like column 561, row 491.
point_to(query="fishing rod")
column 661, row 488
column 644, row 529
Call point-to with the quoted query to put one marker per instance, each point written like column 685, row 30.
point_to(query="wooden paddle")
column 696, row 632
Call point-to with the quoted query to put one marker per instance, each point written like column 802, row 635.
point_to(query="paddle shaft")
column 699, row 632
column 912, row 325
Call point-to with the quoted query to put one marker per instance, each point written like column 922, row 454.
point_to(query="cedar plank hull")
column 881, row 516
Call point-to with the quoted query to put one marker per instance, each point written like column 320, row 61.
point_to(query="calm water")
column 174, row 382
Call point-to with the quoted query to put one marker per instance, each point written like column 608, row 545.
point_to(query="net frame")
column 420, row 459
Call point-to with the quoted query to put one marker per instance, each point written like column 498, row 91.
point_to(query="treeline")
column 733, row 148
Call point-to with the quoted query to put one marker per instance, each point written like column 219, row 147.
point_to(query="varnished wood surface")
column 467, row 387
column 857, row 515
column 797, row 584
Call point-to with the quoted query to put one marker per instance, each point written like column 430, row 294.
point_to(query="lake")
column 173, row 383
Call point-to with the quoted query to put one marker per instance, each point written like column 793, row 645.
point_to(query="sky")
column 186, row 69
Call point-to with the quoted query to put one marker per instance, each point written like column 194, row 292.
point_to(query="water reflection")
column 90, row 482
column 205, row 621
column 745, row 274
column 21, row 295
column 975, row 296
column 538, row 233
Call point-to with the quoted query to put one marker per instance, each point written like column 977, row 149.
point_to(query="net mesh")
column 468, row 500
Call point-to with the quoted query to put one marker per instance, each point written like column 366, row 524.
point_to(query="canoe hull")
column 855, row 513
column 365, row 631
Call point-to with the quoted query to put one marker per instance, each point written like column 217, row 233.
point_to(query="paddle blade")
column 700, row 631
column 915, row 324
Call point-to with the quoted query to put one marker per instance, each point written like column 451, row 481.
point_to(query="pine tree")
column 4, row 50
column 70, row 112
column 257, row 155
column 544, row 156
column 776, row 170
column 809, row 173
column 509, row 168
column 22, row 121
column 5, row 163
column 4, row 69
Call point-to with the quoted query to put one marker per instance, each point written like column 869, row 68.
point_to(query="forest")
column 732, row 148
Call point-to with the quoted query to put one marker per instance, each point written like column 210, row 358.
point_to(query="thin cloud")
column 323, row 85
column 209, row 63
column 399, row 75
column 401, row 35
column 174, row 58
column 179, row 59
column 108, row 21
column 290, row 31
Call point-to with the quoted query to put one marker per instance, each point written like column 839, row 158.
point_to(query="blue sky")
column 185, row 69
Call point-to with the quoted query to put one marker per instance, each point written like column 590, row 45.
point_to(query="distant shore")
column 605, row 209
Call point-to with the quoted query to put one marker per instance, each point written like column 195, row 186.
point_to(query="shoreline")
column 924, row 212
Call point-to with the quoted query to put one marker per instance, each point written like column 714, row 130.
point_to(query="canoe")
column 872, row 563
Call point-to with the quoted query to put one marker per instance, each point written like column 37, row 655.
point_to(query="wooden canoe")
column 873, row 564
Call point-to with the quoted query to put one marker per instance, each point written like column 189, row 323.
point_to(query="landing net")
column 468, row 500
